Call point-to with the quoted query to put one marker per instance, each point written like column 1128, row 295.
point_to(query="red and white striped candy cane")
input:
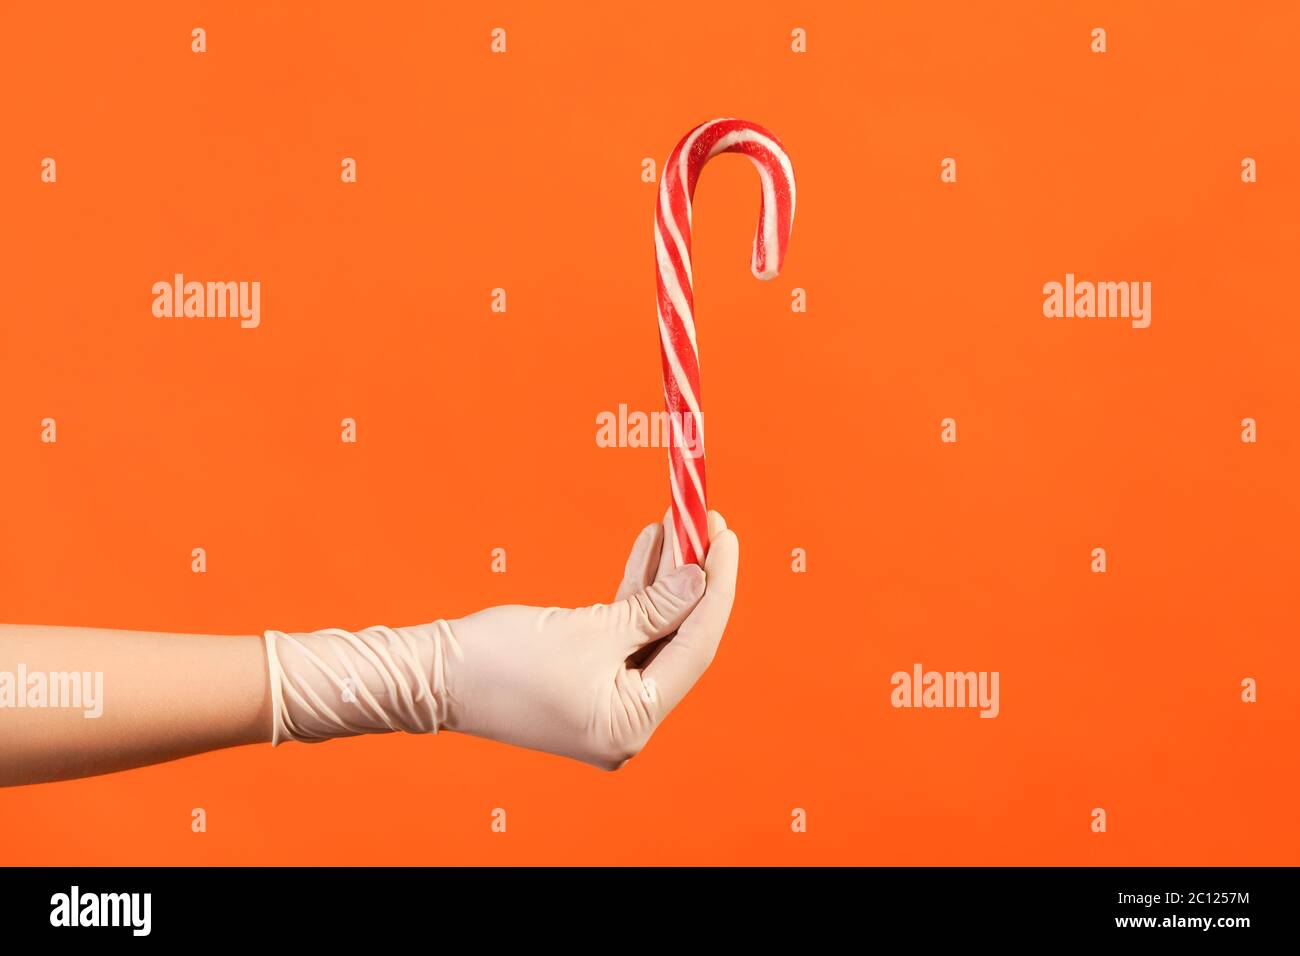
column 681, row 357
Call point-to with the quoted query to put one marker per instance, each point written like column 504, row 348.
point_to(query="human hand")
column 593, row 683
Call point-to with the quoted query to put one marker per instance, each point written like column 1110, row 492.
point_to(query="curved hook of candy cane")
column 676, row 300
column 776, row 200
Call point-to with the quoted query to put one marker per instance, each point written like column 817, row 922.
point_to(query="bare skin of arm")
column 165, row 696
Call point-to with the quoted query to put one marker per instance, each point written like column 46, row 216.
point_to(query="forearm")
column 160, row 697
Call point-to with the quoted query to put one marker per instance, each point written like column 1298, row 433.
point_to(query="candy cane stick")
column 681, row 357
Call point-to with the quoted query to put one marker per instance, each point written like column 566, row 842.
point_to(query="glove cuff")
column 335, row 683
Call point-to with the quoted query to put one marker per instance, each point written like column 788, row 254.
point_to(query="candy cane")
column 676, row 305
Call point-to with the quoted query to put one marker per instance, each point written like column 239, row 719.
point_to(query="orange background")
column 477, row 430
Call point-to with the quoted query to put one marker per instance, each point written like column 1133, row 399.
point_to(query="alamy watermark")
column 922, row 688
column 67, row 690
column 75, row 908
column 1083, row 299
column 208, row 300
column 633, row 429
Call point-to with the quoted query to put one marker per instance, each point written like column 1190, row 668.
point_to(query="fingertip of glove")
column 724, row 548
column 687, row 582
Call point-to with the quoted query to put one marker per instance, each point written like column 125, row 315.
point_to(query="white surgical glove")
column 590, row 683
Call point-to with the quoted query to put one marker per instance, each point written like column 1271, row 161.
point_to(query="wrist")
column 443, row 667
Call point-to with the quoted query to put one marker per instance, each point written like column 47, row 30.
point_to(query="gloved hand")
column 588, row 683
column 567, row 681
